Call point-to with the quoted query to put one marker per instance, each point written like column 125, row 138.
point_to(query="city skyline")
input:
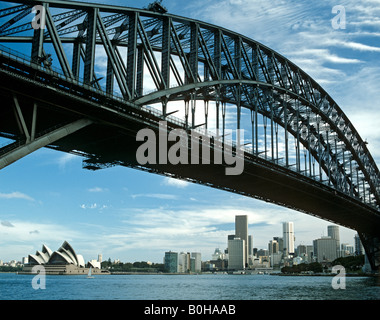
column 336, row 231
column 129, row 215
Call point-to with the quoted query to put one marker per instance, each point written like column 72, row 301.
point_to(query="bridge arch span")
column 294, row 128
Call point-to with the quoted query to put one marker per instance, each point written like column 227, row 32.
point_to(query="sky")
column 121, row 213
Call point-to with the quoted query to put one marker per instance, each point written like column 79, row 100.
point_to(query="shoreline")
column 324, row 275
column 208, row 273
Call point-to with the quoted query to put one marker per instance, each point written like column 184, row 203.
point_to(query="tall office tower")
column 288, row 235
column 301, row 250
column 280, row 243
column 196, row 256
column 273, row 246
column 359, row 250
column 184, row 262
column 250, row 250
column 231, row 237
column 241, row 231
column 333, row 233
column 100, row 257
column 346, row 250
column 236, row 254
column 171, row 261
column 325, row 249
column 250, row 245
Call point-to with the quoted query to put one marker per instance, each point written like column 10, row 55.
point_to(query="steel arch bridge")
column 90, row 76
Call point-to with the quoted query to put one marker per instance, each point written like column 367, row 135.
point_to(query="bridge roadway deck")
column 112, row 139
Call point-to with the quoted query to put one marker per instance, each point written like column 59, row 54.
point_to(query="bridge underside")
column 108, row 138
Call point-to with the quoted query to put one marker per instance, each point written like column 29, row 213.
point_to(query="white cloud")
column 352, row 45
column 93, row 206
column 65, row 159
column 161, row 196
column 97, row 189
column 16, row 195
column 172, row 182
column 323, row 55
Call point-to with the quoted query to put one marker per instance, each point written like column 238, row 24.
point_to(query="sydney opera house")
column 63, row 261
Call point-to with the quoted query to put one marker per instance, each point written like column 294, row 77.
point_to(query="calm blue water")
column 187, row 287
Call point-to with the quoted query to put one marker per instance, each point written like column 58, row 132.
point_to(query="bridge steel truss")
column 151, row 58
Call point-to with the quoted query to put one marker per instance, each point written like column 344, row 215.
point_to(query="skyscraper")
column 236, row 254
column 358, row 245
column 184, row 262
column 250, row 245
column 333, row 233
column 241, row 231
column 288, row 235
column 196, row 257
column 325, row 249
column 273, row 246
column 171, row 261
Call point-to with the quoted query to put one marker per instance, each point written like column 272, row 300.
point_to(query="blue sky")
column 125, row 214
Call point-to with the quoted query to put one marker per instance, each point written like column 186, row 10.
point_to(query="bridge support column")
column 20, row 151
column 371, row 246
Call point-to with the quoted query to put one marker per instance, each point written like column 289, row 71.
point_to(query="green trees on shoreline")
column 141, row 266
column 351, row 264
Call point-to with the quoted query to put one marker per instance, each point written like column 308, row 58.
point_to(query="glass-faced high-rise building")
column 288, row 236
column 241, row 231
column 171, row 261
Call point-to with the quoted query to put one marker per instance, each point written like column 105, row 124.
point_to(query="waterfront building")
column 273, row 247
column 288, row 236
column 236, row 254
column 219, row 264
column 298, row 260
column 310, row 252
column 171, row 261
column 218, row 255
column 325, row 249
column 274, row 253
column 220, row 259
column 301, row 249
column 261, row 262
column 262, row 253
column 241, row 231
column 275, row 259
column 184, row 262
column 333, row 233
column 359, row 250
column 305, row 252
column 347, row 250
column 62, row 261
column 94, row 264
column 250, row 245
column 280, row 241
column 196, row 258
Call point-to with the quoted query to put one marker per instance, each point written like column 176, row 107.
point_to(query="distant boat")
column 89, row 276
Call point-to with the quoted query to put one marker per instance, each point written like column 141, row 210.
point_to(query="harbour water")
column 187, row 287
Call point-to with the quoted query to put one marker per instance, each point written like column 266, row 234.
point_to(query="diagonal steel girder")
column 20, row 151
